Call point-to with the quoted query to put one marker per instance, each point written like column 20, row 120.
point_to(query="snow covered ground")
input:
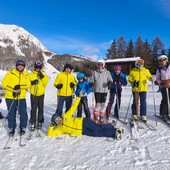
column 151, row 151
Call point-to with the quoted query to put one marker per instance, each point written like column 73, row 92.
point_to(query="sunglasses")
column 162, row 60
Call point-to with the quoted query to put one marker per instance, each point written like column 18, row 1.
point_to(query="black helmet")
column 38, row 64
column 20, row 62
column 68, row 66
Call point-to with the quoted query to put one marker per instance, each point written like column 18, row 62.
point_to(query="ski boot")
column 32, row 127
column 102, row 117
column 144, row 119
column 11, row 132
column 119, row 133
column 135, row 118
column 39, row 126
column 22, row 131
column 1, row 116
column 96, row 116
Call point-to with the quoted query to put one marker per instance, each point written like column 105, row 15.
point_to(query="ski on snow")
column 33, row 134
column 134, row 130
column 165, row 121
column 9, row 142
column 149, row 125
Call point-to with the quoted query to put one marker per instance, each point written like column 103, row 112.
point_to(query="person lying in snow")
column 67, row 124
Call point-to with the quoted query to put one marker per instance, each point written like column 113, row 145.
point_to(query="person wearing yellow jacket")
column 67, row 124
column 16, row 82
column 138, row 79
column 65, row 82
column 39, row 81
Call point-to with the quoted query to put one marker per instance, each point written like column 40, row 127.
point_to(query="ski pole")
column 125, row 120
column 154, row 102
column 117, row 102
column 10, row 108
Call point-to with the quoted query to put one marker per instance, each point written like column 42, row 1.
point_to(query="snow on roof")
column 122, row 60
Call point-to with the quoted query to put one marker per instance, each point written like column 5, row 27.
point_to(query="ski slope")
column 151, row 151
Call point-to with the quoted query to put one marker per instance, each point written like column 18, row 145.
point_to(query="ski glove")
column 135, row 84
column 109, row 83
column 59, row 86
column 82, row 94
column 15, row 94
column 92, row 84
column 0, row 100
column 34, row 82
column 40, row 74
column 72, row 85
column 17, row 87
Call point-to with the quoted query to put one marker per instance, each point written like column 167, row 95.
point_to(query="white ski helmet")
column 162, row 57
column 101, row 61
column 139, row 63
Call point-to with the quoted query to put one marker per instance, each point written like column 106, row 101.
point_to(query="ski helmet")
column 117, row 67
column 38, row 64
column 20, row 62
column 68, row 66
column 57, row 119
column 162, row 57
column 101, row 63
column 80, row 76
column 139, row 63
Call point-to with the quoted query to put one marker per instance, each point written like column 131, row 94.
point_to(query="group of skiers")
column 104, row 85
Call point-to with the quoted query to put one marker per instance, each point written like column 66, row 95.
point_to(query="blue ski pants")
column 13, row 106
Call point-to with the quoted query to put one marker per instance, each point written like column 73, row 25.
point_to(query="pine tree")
column 121, row 47
column 139, row 47
column 112, row 51
column 130, row 49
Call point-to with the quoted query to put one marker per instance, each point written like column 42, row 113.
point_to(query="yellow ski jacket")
column 141, row 76
column 70, row 125
column 13, row 78
column 38, row 89
column 65, row 79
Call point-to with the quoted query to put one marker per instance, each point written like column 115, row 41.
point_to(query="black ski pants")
column 37, row 102
column 164, row 102
column 84, row 103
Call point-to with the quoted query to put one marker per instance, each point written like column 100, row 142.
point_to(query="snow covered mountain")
column 17, row 43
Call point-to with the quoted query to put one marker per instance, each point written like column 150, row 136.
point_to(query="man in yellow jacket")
column 67, row 124
column 16, row 82
column 39, row 81
column 65, row 82
column 138, row 79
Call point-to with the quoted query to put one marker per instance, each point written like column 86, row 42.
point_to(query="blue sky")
column 87, row 27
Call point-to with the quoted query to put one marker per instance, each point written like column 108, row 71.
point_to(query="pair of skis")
column 10, row 140
column 35, row 133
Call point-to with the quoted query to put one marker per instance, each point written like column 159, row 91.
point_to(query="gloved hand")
column 0, row 100
column 72, row 85
column 152, row 79
column 92, row 84
column 17, row 87
column 16, row 93
column 59, row 86
column 82, row 94
column 34, row 82
column 135, row 84
column 156, row 83
column 115, row 79
column 121, row 80
column 40, row 74
column 109, row 83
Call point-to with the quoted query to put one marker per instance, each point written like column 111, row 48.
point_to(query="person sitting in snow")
column 138, row 79
column 119, row 80
column 84, row 87
column 67, row 124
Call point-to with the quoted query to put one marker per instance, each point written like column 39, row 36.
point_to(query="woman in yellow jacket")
column 65, row 82
column 16, row 82
column 138, row 79
column 67, row 124
column 39, row 81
